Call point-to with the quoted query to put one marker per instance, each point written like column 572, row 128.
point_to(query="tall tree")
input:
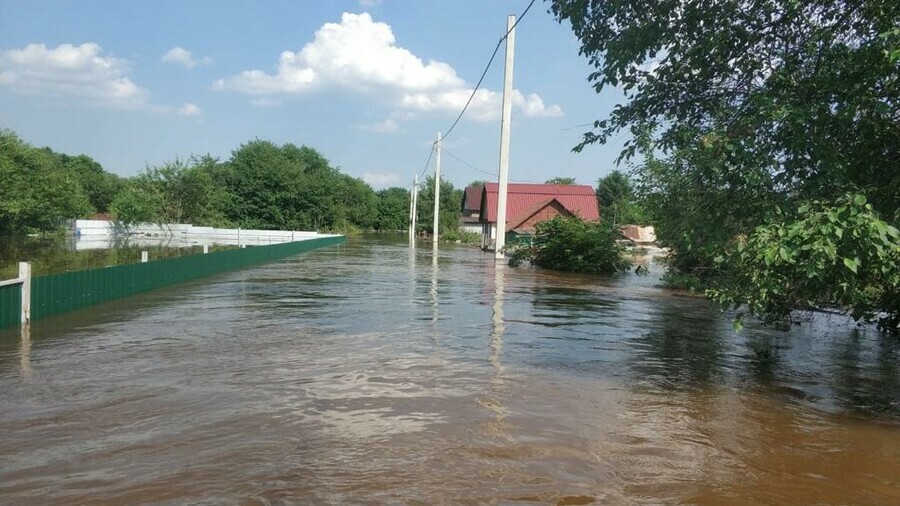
column 393, row 209
column 450, row 209
column 746, row 110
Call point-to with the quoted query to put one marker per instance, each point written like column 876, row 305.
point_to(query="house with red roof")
column 529, row 204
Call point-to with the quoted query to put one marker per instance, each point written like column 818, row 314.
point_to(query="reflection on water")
column 370, row 372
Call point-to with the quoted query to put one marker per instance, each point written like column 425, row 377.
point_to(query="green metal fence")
column 10, row 305
column 58, row 293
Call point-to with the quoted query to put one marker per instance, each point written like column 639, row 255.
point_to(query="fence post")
column 239, row 237
column 25, row 276
column 205, row 249
column 292, row 236
column 144, row 257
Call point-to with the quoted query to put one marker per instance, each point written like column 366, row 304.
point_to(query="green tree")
column 617, row 200
column 743, row 112
column 36, row 192
column 100, row 186
column 450, row 209
column 393, row 209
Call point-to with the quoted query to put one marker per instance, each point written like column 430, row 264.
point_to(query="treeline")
column 262, row 185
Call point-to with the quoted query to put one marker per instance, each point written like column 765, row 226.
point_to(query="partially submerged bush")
column 572, row 244
column 833, row 254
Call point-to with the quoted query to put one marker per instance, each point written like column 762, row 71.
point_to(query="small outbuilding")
column 471, row 210
column 529, row 204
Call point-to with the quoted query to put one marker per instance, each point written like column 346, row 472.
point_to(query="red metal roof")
column 472, row 198
column 580, row 200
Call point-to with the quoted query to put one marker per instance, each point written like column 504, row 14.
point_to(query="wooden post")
column 205, row 249
column 145, row 257
column 25, row 276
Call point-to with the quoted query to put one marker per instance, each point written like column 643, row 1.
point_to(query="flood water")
column 364, row 373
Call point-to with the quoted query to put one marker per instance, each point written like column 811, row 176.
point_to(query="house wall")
column 546, row 213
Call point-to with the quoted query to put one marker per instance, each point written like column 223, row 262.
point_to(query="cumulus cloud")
column 71, row 71
column 189, row 110
column 361, row 56
column 181, row 56
column 380, row 179
column 381, row 127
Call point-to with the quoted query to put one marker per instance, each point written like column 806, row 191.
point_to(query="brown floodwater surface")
column 366, row 373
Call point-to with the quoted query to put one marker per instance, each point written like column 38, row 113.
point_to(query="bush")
column 571, row 244
column 832, row 254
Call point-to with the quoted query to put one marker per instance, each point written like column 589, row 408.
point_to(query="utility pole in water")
column 504, row 137
column 415, row 211
column 409, row 230
column 437, row 189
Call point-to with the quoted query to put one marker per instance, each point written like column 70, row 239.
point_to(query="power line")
column 480, row 170
column 493, row 55
column 445, row 150
column 424, row 168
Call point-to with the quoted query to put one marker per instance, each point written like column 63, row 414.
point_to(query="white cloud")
column 369, row 3
column 189, row 110
column 381, row 127
column 361, row 56
column 265, row 102
column 71, row 71
column 181, row 56
column 381, row 179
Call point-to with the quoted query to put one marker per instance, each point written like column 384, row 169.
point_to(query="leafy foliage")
column 262, row 185
column 450, row 209
column 572, row 244
column 617, row 200
column 36, row 190
column 393, row 209
column 833, row 254
column 745, row 110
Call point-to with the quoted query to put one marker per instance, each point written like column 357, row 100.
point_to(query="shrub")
column 572, row 244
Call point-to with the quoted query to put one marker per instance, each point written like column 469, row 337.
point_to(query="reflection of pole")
column 497, row 326
column 495, row 400
column 25, row 351
column 504, row 137
column 437, row 188
column 434, row 288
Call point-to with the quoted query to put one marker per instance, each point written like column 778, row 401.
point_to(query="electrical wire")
column 491, row 61
column 425, row 167
column 444, row 150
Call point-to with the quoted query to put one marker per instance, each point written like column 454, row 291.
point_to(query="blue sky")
column 368, row 83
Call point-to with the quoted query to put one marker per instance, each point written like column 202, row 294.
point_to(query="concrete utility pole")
column 409, row 230
column 437, row 188
column 415, row 210
column 504, row 137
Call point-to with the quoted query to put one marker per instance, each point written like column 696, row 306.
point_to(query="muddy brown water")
column 364, row 373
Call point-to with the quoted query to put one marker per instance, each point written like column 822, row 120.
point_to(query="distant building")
column 471, row 210
column 529, row 204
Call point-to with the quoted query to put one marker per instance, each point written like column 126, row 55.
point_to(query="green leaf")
column 859, row 199
column 851, row 264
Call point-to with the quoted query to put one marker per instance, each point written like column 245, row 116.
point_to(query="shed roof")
column 472, row 198
column 580, row 200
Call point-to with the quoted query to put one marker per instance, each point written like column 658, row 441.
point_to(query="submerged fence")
column 58, row 293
